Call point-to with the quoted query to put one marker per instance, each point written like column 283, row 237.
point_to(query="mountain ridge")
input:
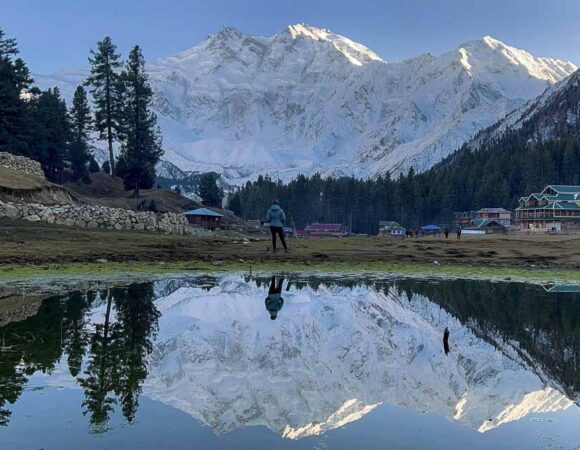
column 306, row 100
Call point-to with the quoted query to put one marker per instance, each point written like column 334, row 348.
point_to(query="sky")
column 59, row 33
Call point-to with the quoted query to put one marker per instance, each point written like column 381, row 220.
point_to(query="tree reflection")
column 113, row 351
column 117, row 355
column 545, row 325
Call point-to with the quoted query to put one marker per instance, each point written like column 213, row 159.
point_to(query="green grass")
column 536, row 275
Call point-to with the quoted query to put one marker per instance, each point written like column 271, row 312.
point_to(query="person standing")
column 458, row 232
column 446, row 231
column 277, row 218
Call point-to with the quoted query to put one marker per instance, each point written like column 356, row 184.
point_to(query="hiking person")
column 458, row 232
column 446, row 232
column 276, row 218
column 274, row 301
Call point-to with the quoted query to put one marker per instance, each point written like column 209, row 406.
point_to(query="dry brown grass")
column 37, row 243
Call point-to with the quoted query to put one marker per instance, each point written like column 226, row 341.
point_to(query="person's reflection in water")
column 446, row 340
column 274, row 301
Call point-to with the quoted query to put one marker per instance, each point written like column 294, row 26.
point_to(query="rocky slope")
column 307, row 100
column 551, row 116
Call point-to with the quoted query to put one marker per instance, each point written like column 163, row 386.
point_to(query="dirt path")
column 33, row 243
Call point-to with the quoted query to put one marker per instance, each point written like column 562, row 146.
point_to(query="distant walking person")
column 446, row 340
column 277, row 218
column 446, row 231
column 274, row 301
column 458, row 233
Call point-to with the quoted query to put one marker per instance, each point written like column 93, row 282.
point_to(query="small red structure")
column 205, row 218
column 325, row 229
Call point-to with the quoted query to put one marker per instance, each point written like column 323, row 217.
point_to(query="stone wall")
column 22, row 164
column 87, row 216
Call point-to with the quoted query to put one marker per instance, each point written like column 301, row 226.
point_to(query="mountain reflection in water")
column 341, row 347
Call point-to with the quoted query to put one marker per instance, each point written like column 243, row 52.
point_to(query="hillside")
column 307, row 100
column 19, row 186
column 105, row 190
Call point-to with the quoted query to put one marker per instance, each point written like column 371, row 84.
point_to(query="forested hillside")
column 543, row 149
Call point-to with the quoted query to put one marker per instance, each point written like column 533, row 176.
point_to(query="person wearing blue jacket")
column 277, row 218
column 274, row 301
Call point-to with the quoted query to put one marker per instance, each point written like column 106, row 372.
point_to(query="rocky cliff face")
column 307, row 100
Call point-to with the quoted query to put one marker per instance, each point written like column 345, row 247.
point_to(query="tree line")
column 38, row 124
column 108, row 360
column 495, row 175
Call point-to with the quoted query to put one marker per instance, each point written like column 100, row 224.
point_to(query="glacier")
column 307, row 100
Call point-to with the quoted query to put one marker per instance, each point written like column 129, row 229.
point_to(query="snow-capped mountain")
column 307, row 100
column 333, row 355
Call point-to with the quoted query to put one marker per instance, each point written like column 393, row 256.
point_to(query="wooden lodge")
column 555, row 209
column 500, row 216
column 205, row 218
column 324, row 230
column 490, row 220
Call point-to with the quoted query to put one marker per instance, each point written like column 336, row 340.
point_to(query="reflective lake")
column 245, row 362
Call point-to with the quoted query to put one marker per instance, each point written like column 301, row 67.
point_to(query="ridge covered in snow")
column 307, row 100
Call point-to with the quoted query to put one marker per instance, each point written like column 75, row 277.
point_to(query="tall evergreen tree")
column 51, row 133
column 15, row 80
column 209, row 191
column 94, row 166
column 140, row 136
column 80, row 118
column 104, row 87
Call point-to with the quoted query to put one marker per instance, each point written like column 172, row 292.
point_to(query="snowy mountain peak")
column 355, row 53
column 495, row 56
column 307, row 100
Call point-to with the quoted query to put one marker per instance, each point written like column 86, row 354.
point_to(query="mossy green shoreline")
column 524, row 274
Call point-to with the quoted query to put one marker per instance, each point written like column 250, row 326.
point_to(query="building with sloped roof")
column 324, row 229
column 491, row 225
column 499, row 215
column 205, row 218
column 390, row 228
column 555, row 209
column 464, row 219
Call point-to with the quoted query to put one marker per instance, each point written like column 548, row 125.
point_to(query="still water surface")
column 254, row 362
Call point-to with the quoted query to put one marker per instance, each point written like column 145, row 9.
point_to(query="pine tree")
column 209, row 191
column 15, row 126
column 107, row 167
column 52, row 133
column 80, row 118
column 140, row 137
column 94, row 166
column 104, row 88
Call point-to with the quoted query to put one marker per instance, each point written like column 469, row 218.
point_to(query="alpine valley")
column 307, row 100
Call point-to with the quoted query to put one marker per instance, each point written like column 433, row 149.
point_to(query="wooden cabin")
column 205, row 218
column 324, row 230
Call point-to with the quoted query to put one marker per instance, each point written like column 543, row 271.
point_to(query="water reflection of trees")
column 114, row 351
column 546, row 325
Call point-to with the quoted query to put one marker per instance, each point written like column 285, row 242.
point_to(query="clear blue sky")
column 56, row 33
